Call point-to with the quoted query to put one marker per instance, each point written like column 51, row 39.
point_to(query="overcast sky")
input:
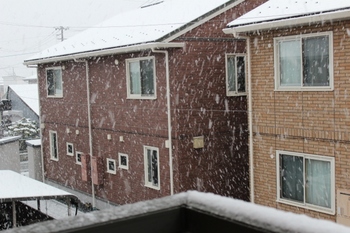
column 28, row 26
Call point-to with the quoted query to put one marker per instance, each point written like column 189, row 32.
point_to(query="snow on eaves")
column 142, row 25
column 278, row 10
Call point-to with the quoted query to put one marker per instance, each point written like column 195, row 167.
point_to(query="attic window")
column 152, row 3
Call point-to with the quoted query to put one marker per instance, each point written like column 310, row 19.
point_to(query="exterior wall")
column 299, row 121
column 34, row 162
column 9, row 154
column 199, row 107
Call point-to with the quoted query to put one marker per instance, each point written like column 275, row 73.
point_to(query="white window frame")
column 52, row 147
column 278, row 87
column 147, row 182
column 76, row 157
column 115, row 164
column 67, row 146
column 121, row 166
column 235, row 92
column 140, row 96
column 59, row 95
column 306, row 205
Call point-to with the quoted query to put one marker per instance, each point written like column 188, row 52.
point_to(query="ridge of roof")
column 125, row 30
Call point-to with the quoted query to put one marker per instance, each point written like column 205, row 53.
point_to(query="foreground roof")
column 188, row 212
column 17, row 187
column 284, row 13
column 156, row 23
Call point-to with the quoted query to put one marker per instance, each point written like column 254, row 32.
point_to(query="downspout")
column 89, row 122
column 90, row 130
column 169, row 117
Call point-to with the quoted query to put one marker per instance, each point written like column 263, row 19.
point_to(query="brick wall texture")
column 316, row 122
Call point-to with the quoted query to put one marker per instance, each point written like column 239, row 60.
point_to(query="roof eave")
column 272, row 25
column 105, row 52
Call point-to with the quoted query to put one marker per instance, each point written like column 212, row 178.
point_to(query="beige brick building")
column 299, row 57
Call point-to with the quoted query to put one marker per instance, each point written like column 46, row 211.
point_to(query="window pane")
column 111, row 165
column 123, row 161
column 290, row 63
column 149, row 165
column 231, row 74
column 58, row 81
column 135, row 77
column 147, row 81
column 240, row 74
column 316, row 61
column 155, row 168
column 50, row 82
column 318, row 182
column 54, row 145
column 291, row 178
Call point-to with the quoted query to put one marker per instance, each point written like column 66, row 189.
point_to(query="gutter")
column 284, row 23
column 169, row 118
column 103, row 52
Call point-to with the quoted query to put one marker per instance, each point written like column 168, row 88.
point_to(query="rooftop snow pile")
column 153, row 23
column 291, row 12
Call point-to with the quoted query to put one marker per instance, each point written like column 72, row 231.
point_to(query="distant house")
column 299, row 77
column 150, row 103
column 24, row 100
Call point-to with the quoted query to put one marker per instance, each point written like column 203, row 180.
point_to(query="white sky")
column 28, row 26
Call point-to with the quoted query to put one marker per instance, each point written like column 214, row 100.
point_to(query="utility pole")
column 60, row 33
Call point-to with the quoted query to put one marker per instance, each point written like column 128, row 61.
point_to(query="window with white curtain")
column 235, row 74
column 304, row 62
column 141, row 78
column 54, row 82
column 306, row 180
column 151, row 158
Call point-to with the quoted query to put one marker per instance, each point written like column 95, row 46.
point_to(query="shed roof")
column 284, row 13
column 16, row 187
column 156, row 23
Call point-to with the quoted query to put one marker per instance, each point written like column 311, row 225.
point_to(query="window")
column 306, row 180
column 141, row 78
column 54, row 82
column 78, row 157
column 53, row 145
column 70, row 149
column 123, row 161
column 235, row 75
column 304, row 62
column 111, row 168
column 151, row 167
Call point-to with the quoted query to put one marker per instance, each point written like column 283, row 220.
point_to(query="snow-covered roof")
column 16, row 187
column 284, row 13
column 9, row 139
column 29, row 94
column 156, row 23
column 260, row 218
column 34, row 142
